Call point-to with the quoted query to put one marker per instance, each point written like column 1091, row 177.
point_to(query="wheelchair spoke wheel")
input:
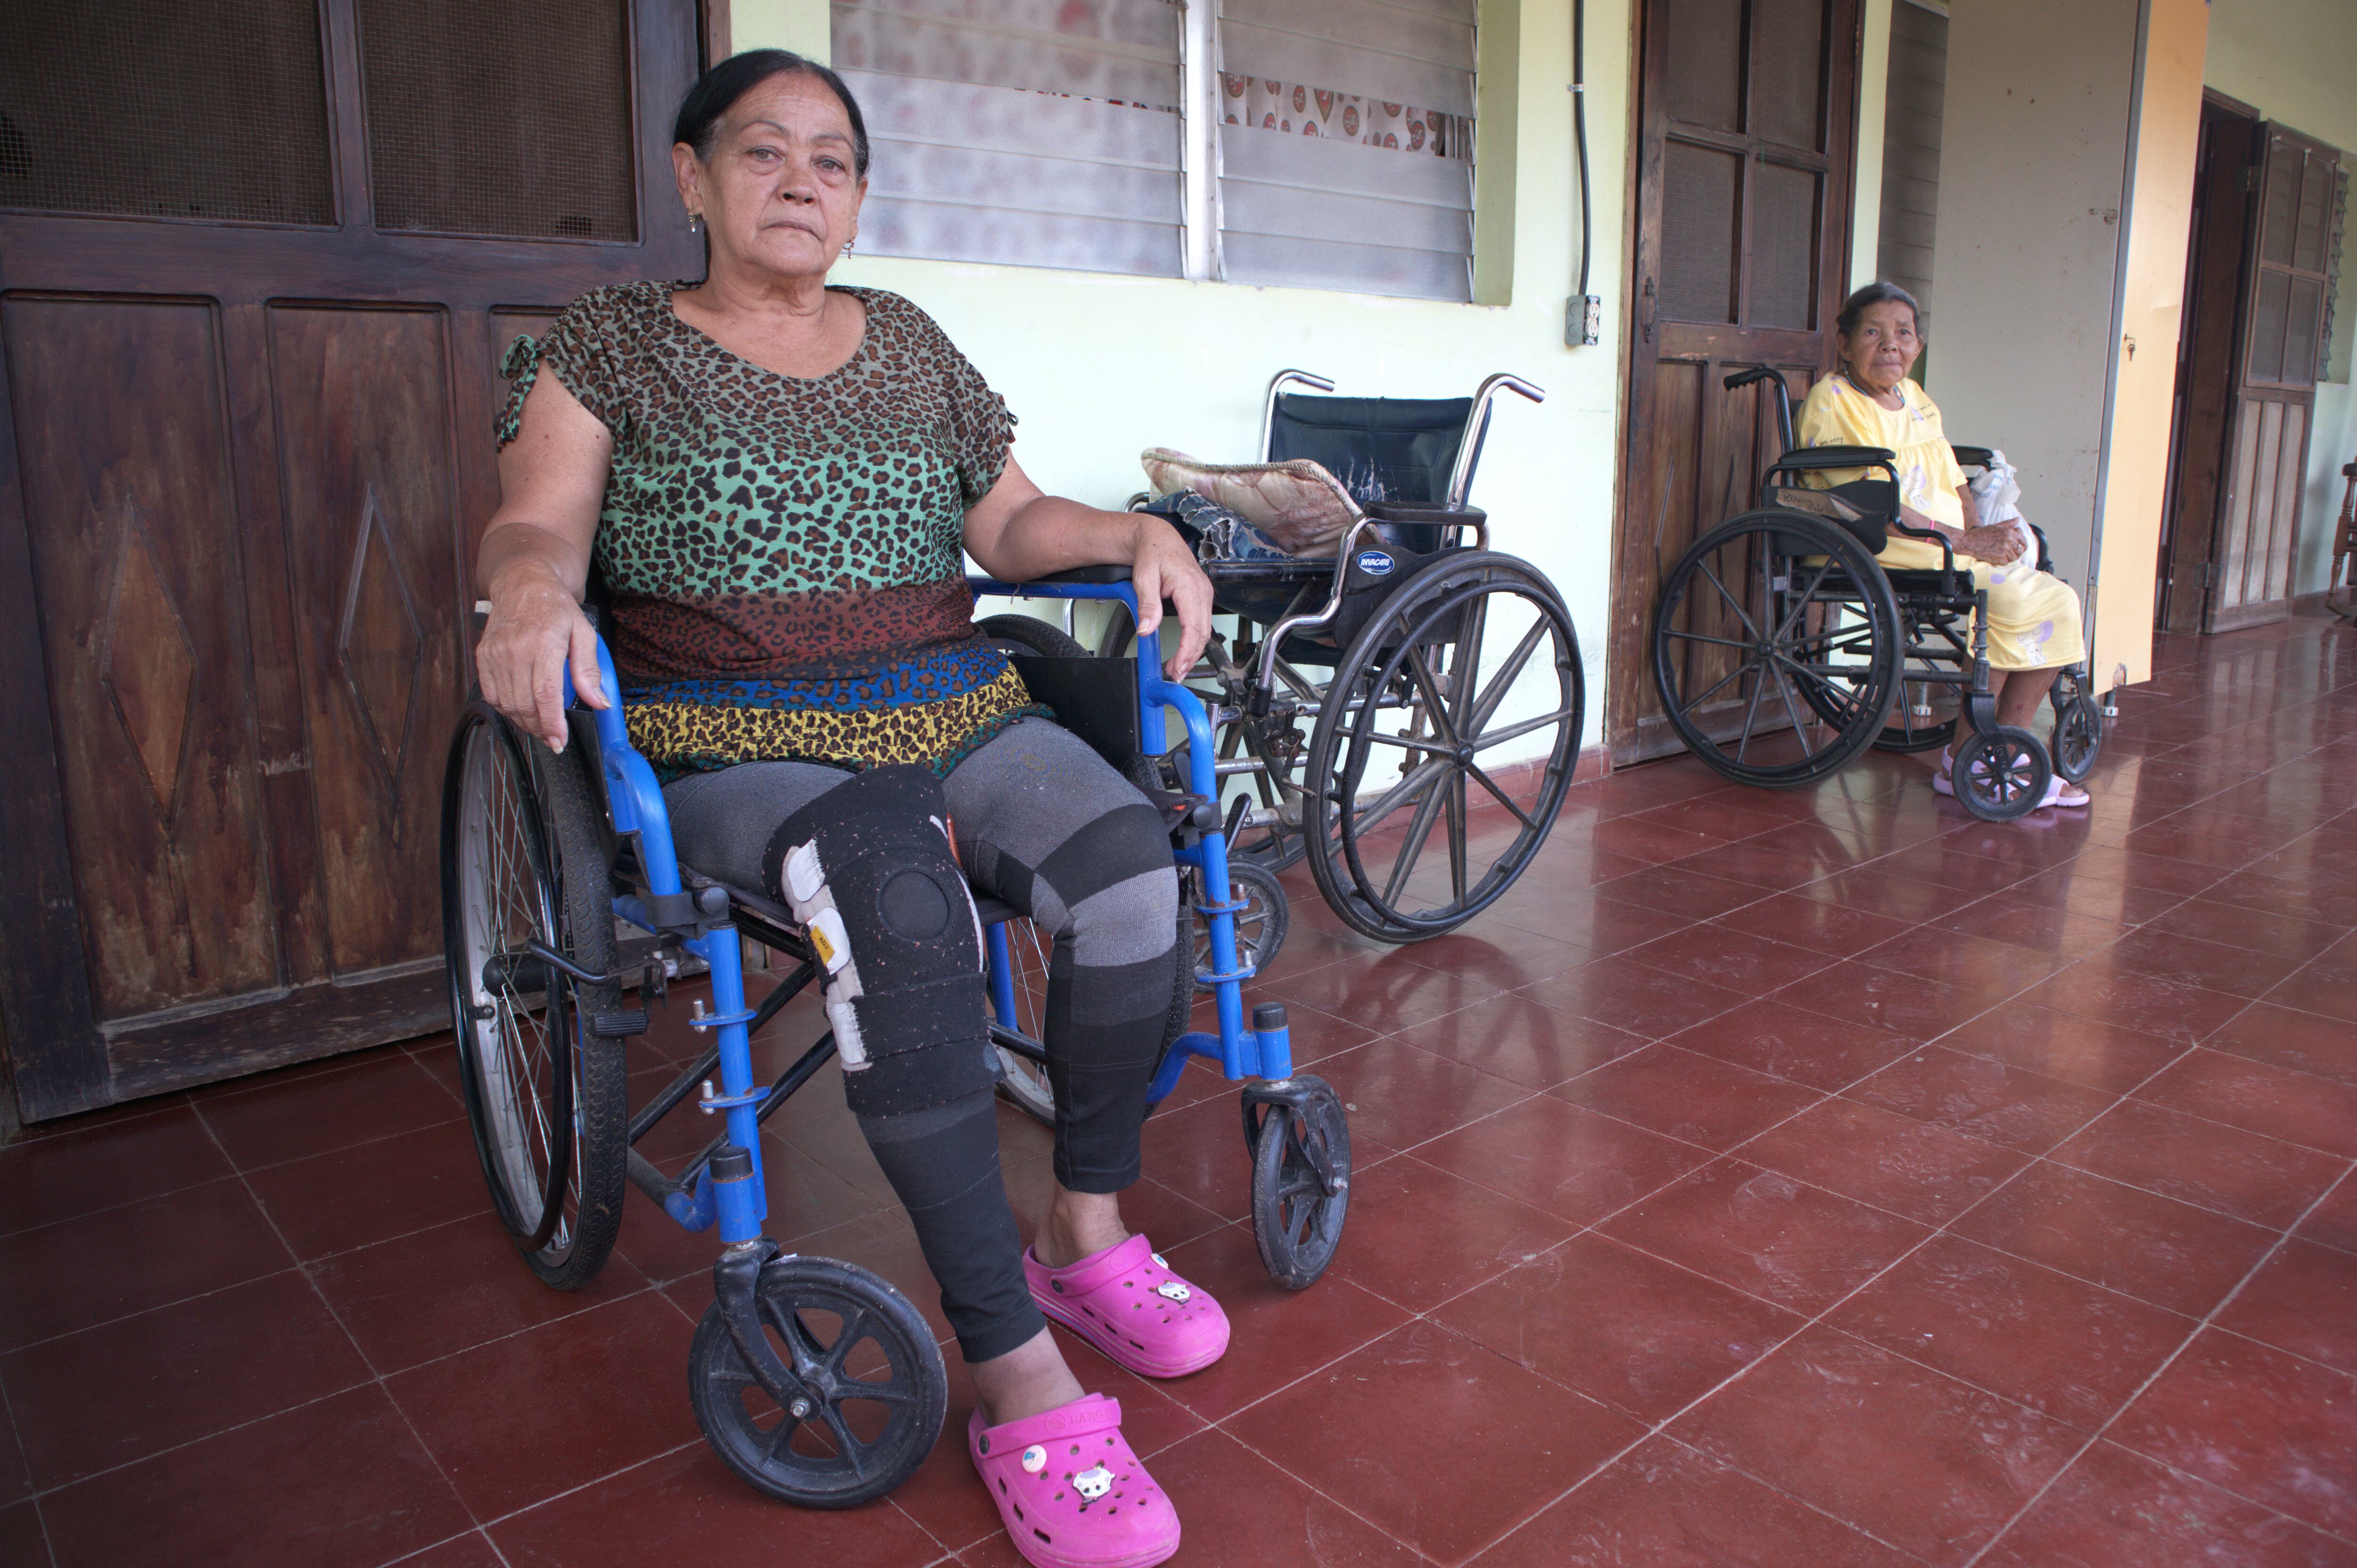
column 1025, row 1083
column 1924, row 714
column 522, row 861
column 1777, row 649
column 1261, row 924
column 1444, row 747
column 864, row 1392
column 2002, row 773
column 1301, row 1181
column 1270, row 838
column 2077, row 728
column 1022, row 1081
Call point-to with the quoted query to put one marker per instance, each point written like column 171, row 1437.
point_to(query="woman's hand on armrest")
column 1018, row 534
column 533, row 564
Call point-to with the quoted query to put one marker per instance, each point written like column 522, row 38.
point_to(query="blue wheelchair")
column 815, row 1379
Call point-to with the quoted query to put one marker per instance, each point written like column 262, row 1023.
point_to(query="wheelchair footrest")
column 618, row 1023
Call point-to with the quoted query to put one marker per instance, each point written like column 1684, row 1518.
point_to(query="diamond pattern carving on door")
column 380, row 643
column 145, row 663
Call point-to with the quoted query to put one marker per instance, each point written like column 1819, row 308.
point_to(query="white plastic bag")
column 1996, row 492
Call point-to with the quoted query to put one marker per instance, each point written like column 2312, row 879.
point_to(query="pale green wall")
column 1099, row 367
column 2296, row 61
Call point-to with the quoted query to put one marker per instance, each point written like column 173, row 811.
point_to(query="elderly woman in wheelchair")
column 773, row 479
column 1867, row 602
column 2033, row 618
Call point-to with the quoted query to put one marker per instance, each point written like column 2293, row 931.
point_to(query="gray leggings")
column 1045, row 824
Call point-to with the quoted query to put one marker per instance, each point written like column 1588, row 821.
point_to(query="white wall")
column 2296, row 61
column 2033, row 157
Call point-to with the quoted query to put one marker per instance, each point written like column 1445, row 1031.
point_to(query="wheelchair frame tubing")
column 1241, row 1052
column 636, row 803
column 1238, row 1050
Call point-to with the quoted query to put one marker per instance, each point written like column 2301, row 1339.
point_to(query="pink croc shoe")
column 1069, row 1490
column 1127, row 1302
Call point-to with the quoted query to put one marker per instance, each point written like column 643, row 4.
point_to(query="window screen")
column 508, row 119
column 1346, row 156
column 216, row 112
column 1031, row 131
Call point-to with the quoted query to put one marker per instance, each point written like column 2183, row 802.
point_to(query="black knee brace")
column 867, row 869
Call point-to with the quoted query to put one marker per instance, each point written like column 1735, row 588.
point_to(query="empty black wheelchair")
column 813, row 1379
column 1782, row 650
column 1416, row 685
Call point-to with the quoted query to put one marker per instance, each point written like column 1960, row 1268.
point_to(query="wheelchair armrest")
column 1810, row 458
column 1091, row 575
column 1400, row 511
column 1972, row 456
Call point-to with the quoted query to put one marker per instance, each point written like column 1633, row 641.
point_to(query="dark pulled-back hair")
column 717, row 89
column 1863, row 300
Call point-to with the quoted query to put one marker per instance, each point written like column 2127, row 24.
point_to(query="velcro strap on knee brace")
column 867, row 869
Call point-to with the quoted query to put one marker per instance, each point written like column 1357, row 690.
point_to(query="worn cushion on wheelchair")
column 1298, row 506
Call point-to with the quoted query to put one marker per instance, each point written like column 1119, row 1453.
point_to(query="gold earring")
column 695, row 222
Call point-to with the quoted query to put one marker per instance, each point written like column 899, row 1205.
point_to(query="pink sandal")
column 1127, row 1302
column 1069, row 1491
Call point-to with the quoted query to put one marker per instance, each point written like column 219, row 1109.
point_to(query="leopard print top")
column 783, row 553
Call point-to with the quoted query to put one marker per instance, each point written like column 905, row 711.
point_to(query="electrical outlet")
column 1583, row 321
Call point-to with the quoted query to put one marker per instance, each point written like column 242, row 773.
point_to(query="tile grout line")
column 2202, row 1325
column 337, row 1318
column 32, row 1496
column 1944, row 1228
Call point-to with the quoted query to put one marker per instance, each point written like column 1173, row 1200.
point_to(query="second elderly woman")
column 775, row 479
column 2033, row 617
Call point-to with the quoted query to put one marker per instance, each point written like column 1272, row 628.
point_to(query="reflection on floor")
column 1775, row 1179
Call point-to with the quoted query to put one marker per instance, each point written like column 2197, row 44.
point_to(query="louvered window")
column 1036, row 131
column 1345, row 139
column 1319, row 144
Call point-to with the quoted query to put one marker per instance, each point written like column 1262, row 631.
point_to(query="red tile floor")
column 1772, row 1179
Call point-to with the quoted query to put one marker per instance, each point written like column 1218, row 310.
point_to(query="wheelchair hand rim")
column 480, row 726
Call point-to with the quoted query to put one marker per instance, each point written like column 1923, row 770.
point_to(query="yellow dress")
column 2034, row 622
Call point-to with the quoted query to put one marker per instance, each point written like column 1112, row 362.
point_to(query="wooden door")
column 1747, row 120
column 2225, row 188
column 250, row 334
column 2285, row 281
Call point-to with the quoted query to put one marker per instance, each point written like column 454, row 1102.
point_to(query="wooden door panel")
column 1744, row 170
column 364, row 424
column 242, row 464
column 1713, row 445
column 121, row 432
column 2259, row 539
column 2207, row 374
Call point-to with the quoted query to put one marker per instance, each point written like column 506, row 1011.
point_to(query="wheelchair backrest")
column 1380, row 448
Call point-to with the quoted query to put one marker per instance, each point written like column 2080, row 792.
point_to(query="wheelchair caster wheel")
column 1301, row 1179
column 2002, row 773
column 865, row 1390
column 1261, row 924
column 2078, row 733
